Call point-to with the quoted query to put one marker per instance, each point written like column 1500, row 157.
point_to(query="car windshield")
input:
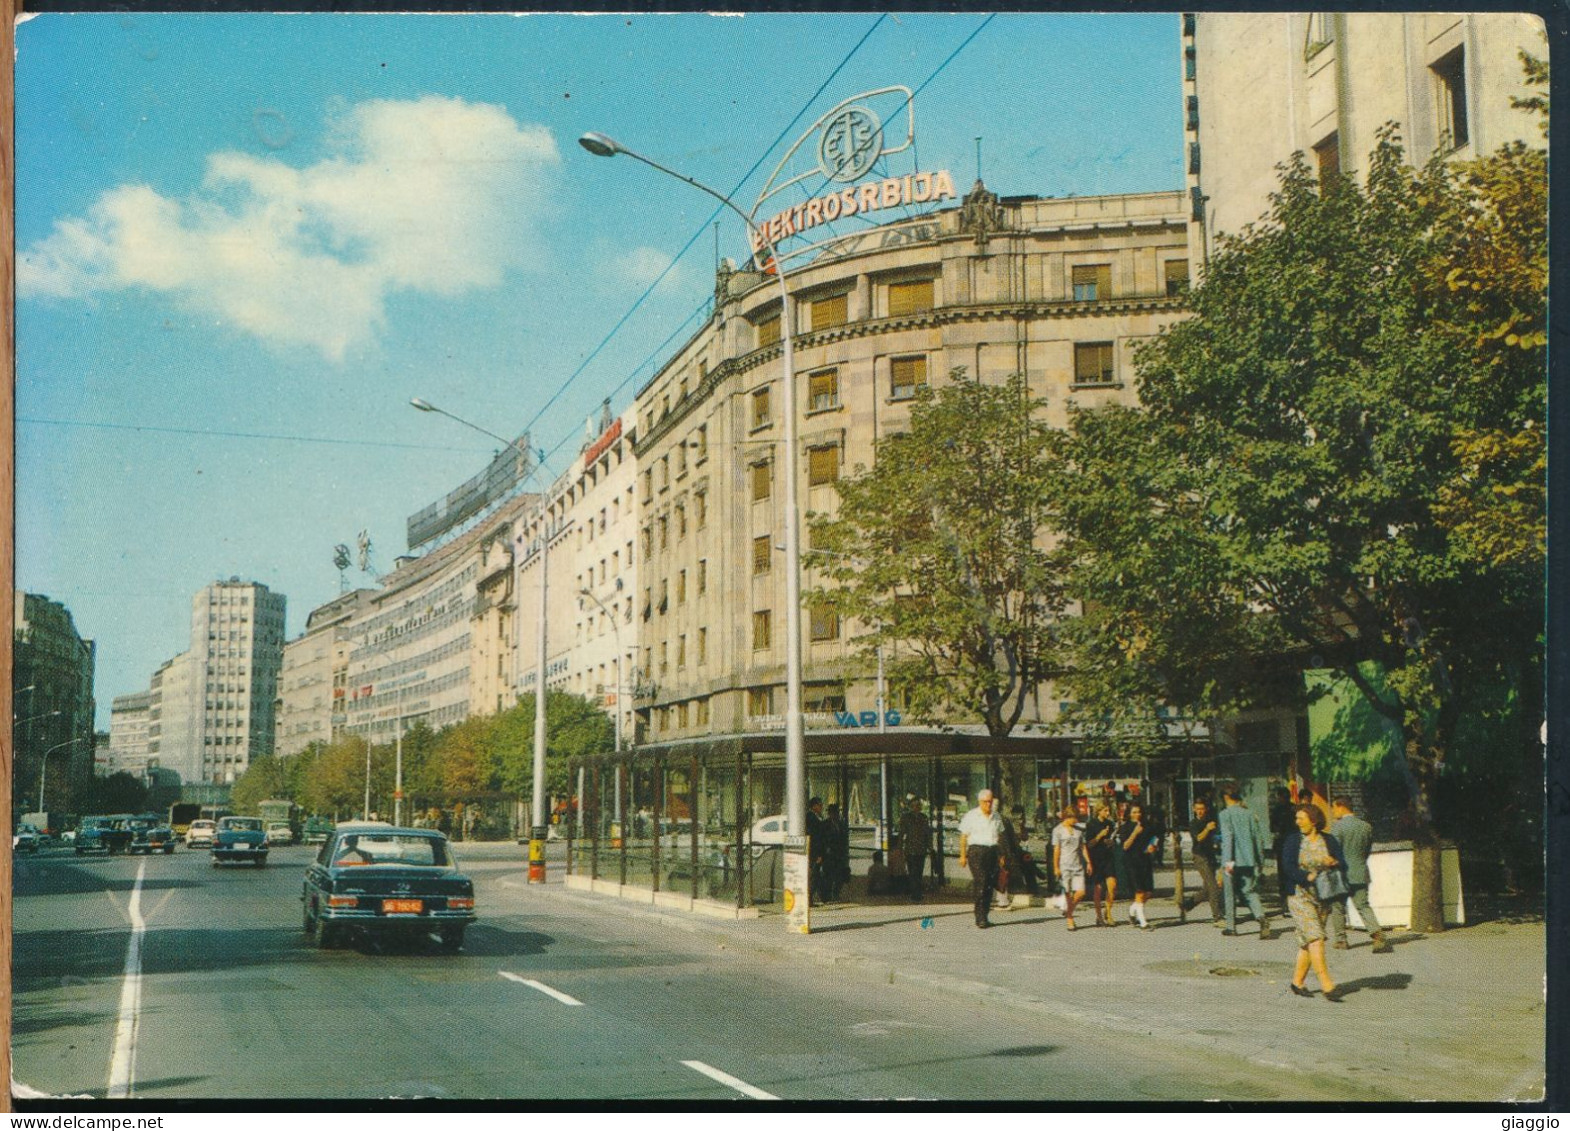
column 242, row 824
column 382, row 848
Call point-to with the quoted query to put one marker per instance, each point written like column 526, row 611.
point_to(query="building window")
column 823, row 465
column 762, row 626
column 1092, row 282
column 908, row 374
column 1450, row 99
column 1176, row 272
column 823, row 390
column 760, row 701
column 761, row 477
column 825, row 623
column 681, row 521
column 700, row 508
column 681, row 651
column 768, row 331
column 681, row 587
column 1093, row 363
column 828, row 312
column 910, row 298
column 1327, row 155
column 1321, row 33
column 681, row 460
column 762, row 554
column 664, row 657
column 681, row 716
column 665, row 472
column 701, row 711
column 703, row 442
column 703, row 645
column 665, row 530
column 1193, row 113
column 648, row 541
column 761, row 408
column 703, row 575
column 648, row 484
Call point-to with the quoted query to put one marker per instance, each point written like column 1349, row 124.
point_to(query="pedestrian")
column 1100, row 833
column 1242, row 859
column 1010, row 863
column 817, row 851
column 1026, row 871
column 1206, row 835
column 1139, row 847
column 915, row 841
column 1305, row 854
column 1357, row 838
column 1070, row 860
column 836, row 859
column 979, row 833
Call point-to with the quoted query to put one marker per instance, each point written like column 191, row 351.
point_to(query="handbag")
column 1330, row 885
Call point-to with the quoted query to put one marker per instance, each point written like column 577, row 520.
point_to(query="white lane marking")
column 728, row 1080
column 122, row 1061
column 565, row 999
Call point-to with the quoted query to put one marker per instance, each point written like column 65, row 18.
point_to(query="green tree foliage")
column 1324, row 451
column 264, row 779
column 334, row 782
column 120, row 792
column 938, row 552
column 575, row 728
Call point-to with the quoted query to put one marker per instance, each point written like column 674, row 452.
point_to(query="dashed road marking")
column 729, row 1081
column 565, row 999
column 122, row 1060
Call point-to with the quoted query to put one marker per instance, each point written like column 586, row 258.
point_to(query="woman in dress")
column 1139, row 844
column 1069, row 860
column 1100, row 833
column 1304, row 854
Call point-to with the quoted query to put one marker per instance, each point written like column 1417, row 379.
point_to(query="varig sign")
column 845, row 145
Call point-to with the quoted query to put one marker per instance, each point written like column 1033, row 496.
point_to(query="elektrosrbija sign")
column 846, row 145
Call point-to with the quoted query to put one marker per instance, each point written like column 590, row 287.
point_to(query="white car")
column 200, row 834
column 279, row 832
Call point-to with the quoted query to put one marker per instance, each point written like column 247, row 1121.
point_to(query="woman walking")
column 1070, row 861
column 1100, row 833
column 1305, row 854
column 1139, row 846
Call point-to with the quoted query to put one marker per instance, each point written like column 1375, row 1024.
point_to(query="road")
column 553, row 996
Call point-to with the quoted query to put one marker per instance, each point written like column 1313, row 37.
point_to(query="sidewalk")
column 1456, row 1016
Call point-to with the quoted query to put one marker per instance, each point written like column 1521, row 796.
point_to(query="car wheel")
column 168, row 850
column 215, row 861
column 452, row 938
column 261, row 861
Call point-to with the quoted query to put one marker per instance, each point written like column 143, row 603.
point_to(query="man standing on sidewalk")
column 915, row 841
column 980, row 832
column 1242, row 857
column 1357, row 838
column 1206, row 833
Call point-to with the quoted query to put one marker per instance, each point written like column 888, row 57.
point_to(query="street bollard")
column 537, row 854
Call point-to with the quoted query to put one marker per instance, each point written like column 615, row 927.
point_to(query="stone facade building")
column 52, row 672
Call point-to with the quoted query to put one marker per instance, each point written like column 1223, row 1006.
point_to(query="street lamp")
column 43, row 765
column 795, row 739
column 537, row 825
column 46, row 715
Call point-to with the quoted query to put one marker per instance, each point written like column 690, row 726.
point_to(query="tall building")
column 211, row 708
column 52, row 677
column 314, row 681
column 1259, row 86
column 128, row 725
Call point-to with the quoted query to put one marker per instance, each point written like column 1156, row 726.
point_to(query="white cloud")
column 433, row 196
column 641, row 266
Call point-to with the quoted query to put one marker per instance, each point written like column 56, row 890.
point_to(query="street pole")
column 43, row 766
column 795, row 737
column 615, row 635
column 398, row 764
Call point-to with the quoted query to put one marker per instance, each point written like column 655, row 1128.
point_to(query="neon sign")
column 874, row 196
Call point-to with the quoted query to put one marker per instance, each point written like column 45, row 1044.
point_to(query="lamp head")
column 422, row 405
column 600, row 145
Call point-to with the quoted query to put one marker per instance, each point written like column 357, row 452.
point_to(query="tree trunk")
column 1428, row 907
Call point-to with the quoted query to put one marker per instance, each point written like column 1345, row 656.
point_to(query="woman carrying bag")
column 1313, row 872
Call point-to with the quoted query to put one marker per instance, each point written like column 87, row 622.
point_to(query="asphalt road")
column 550, row 998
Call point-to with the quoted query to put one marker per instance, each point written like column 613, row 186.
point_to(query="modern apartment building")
column 52, row 680
column 1258, row 86
column 128, row 733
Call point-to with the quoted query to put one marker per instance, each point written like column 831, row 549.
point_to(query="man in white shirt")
column 980, row 831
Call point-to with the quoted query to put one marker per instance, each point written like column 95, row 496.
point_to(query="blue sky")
column 245, row 241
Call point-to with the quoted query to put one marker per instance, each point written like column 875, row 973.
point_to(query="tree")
column 1323, row 453
column 335, row 781
column 575, row 729
column 120, row 792
column 265, row 778
column 938, row 550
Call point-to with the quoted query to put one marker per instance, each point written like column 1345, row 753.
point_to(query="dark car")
column 240, row 838
column 149, row 834
column 25, row 839
column 378, row 878
column 109, row 835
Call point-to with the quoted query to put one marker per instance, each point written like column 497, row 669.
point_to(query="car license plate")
column 402, row 906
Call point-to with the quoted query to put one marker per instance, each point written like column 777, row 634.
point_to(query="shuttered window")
column 1092, row 282
column 761, row 479
column 823, row 389
column 762, row 629
column 825, row 623
column 762, row 408
column 910, row 298
column 828, row 312
column 823, row 465
column 768, row 331
column 908, row 373
column 762, row 554
column 1093, row 363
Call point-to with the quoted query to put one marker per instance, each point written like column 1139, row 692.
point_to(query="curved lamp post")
column 537, row 822
column 615, row 635
column 795, row 739
column 43, row 765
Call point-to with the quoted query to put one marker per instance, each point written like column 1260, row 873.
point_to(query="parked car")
column 240, row 838
column 377, row 878
column 109, row 835
column 279, row 832
column 200, row 834
column 25, row 839
column 68, row 837
column 317, row 830
column 149, row 834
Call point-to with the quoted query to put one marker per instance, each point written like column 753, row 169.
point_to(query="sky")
column 246, row 241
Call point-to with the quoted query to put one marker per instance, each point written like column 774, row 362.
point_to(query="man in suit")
column 817, row 851
column 1357, row 838
column 1242, row 858
column 915, row 841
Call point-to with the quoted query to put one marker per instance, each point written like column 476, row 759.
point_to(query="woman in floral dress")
column 1304, row 854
